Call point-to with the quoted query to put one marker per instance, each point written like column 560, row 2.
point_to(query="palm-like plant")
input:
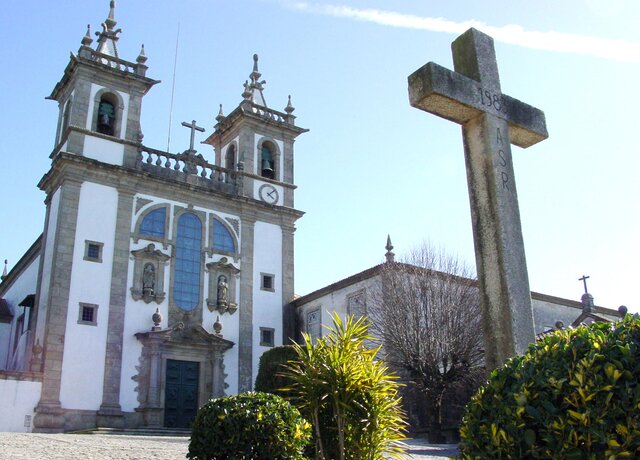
column 350, row 397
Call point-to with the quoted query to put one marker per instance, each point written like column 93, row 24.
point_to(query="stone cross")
column 584, row 281
column 193, row 128
column 491, row 121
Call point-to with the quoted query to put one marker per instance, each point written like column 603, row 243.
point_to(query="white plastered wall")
column 85, row 345
column 19, row 398
column 21, row 287
column 47, row 254
column 267, row 305
column 103, row 150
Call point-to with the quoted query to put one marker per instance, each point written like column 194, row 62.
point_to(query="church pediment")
column 192, row 335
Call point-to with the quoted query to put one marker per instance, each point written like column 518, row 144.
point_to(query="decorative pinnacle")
column 390, row 256
column 4, row 272
column 142, row 58
column 87, row 40
column 246, row 94
column 217, row 326
column 220, row 116
column 255, row 74
column 110, row 22
column 289, row 108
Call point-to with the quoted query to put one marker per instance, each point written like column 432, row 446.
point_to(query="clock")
column 268, row 194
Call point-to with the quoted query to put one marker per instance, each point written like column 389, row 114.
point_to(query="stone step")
column 175, row 432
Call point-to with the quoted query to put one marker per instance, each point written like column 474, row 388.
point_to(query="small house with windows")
column 160, row 278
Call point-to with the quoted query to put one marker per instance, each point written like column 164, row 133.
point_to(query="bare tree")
column 426, row 311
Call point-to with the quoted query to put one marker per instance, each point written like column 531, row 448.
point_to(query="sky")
column 371, row 165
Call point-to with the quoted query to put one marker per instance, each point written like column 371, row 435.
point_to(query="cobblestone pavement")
column 32, row 446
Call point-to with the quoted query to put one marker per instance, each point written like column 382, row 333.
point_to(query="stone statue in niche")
column 148, row 282
column 223, row 291
column 222, row 282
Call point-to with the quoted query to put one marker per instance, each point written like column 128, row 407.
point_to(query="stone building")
column 161, row 276
column 352, row 295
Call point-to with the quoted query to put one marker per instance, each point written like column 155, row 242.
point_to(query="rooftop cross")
column 584, row 281
column 491, row 121
column 193, row 128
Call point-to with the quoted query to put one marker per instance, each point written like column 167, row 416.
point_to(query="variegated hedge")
column 575, row 394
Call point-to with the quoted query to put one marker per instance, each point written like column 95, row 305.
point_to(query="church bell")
column 267, row 169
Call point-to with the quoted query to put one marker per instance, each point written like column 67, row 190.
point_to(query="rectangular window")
column 356, row 305
column 267, row 282
column 267, row 336
column 313, row 324
column 88, row 314
column 93, row 251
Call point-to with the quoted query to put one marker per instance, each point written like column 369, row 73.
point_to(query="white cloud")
column 618, row 50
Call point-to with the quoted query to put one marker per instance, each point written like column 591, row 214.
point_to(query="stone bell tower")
column 85, row 248
column 100, row 98
column 256, row 142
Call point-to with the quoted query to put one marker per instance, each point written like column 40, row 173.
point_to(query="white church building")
column 159, row 278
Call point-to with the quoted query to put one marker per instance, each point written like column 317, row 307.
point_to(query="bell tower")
column 85, row 245
column 100, row 98
column 258, row 140
column 255, row 142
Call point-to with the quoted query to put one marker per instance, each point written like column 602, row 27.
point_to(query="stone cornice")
column 67, row 166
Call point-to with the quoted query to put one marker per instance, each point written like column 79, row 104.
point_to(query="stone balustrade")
column 188, row 166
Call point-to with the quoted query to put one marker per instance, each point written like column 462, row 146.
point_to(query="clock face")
column 269, row 194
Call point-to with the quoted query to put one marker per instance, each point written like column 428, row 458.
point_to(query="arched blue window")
column 221, row 238
column 186, row 279
column 153, row 223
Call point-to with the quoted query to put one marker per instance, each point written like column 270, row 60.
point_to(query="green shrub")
column 259, row 426
column 349, row 396
column 271, row 376
column 575, row 394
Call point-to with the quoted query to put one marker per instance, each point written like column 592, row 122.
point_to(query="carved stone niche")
column 223, row 277
column 148, row 274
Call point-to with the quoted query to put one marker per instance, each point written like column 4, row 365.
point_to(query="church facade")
column 160, row 278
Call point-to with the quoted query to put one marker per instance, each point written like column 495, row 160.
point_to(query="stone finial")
column 587, row 302
column 253, row 88
column 559, row 325
column 220, row 116
column 586, row 299
column 289, row 108
column 390, row 256
column 109, row 36
column 142, row 58
column 255, row 74
column 4, row 272
column 246, row 94
column 217, row 327
column 623, row 310
column 157, row 320
column 87, row 40
column 110, row 22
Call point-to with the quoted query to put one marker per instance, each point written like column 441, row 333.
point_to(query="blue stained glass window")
column 221, row 237
column 186, row 279
column 153, row 223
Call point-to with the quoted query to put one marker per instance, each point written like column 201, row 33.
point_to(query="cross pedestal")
column 491, row 122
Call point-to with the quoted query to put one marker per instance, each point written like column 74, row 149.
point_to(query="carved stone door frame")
column 179, row 343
